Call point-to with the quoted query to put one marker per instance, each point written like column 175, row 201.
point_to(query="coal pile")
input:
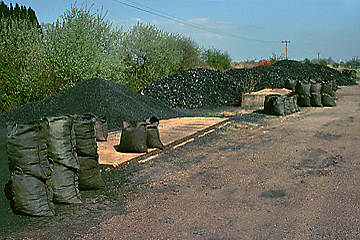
column 259, row 77
column 98, row 96
column 276, row 75
column 196, row 88
column 314, row 73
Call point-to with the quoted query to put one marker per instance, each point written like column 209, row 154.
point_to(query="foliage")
column 18, row 12
column 307, row 61
column 81, row 45
column 323, row 62
column 21, row 49
column 151, row 54
column 215, row 58
column 353, row 63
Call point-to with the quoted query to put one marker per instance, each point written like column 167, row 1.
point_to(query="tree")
column 217, row 59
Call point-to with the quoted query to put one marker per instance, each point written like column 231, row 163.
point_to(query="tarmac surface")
column 291, row 177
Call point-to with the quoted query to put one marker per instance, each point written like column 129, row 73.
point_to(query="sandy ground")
column 293, row 177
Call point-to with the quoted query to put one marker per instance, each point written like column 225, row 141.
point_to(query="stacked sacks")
column 276, row 104
column 152, row 133
column 101, row 128
column 86, row 149
column 61, row 149
column 290, row 84
column 293, row 106
column 138, row 136
column 30, row 170
column 315, row 91
column 133, row 137
column 302, row 89
column 328, row 95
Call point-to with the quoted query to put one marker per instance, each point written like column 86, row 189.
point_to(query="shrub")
column 189, row 51
column 307, row 61
column 151, row 54
column 82, row 45
column 216, row 59
column 21, row 51
column 323, row 62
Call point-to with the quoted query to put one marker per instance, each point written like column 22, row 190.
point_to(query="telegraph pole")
column 286, row 43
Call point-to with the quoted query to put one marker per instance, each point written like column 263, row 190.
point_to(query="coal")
column 98, row 96
column 196, row 88
column 313, row 73
column 286, row 72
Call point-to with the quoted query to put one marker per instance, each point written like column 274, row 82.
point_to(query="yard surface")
column 293, row 177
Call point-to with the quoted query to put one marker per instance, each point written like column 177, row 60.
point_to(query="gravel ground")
column 261, row 177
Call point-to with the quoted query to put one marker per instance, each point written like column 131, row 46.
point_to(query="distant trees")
column 18, row 12
column 217, row 59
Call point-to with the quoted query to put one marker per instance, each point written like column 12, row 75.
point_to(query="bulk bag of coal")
column 287, row 107
column 328, row 100
column 290, row 84
column 30, row 195
column 303, row 91
column 61, row 149
column 152, row 133
column 86, row 149
column 133, row 137
column 274, row 104
column 327, row 89
column 294, row 98
column 291, row 103
column 30, row 170
column 327, row 96
column 101, row 128
column 315, row 91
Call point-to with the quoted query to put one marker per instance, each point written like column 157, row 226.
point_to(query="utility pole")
column 286, row 43
column 318, row 57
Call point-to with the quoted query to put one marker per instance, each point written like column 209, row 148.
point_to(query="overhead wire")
column 155, row 12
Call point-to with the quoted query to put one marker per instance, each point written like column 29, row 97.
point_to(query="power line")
column 155, row 12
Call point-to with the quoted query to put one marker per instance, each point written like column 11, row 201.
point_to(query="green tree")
column 150, row 54
column 217, row 59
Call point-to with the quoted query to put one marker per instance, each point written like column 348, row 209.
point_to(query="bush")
column 189, row 51
column 216, row 59
column 307, row 61
column 21, row 51
column 151, row 54
column 82, row 45
column 322, row 62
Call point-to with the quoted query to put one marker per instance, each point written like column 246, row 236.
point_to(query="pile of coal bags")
column 50, row 160
column 281, row 105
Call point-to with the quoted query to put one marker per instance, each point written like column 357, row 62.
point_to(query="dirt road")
column 294, row 177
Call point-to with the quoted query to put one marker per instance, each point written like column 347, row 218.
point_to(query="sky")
column 245, row 29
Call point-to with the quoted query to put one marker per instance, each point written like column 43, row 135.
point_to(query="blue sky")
column 246, row 29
